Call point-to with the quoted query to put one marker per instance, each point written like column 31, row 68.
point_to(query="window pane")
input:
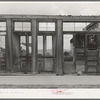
column 23, row 45
column 80, row 41
column 80, row 26
column 27, row 26
column 30, row 44
column 48, row 45
column 2, row 33
column 3, row 26
column 22, row 26
column 46, row 26
column 40, row 45
column 2, row 46
column 77, row 26
column 68, row 26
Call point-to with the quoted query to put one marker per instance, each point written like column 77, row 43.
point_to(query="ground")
column 50, row 81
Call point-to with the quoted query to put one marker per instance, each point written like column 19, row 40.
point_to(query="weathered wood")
column 59, row 69
column 34, row 46
column 9, row 55
column 68, row 18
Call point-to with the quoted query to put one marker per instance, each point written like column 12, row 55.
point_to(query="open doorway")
column 68, row 54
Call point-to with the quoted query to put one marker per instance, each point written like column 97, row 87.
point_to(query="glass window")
column 2, row 26
column 22, row 26
column 75, row 26
column 48, row 45
column 46, row 26
column 40, row 45
column 92, row 41
column 80, row 41
column 30, row 44
column 80, row 26
column 68, row 26
column 23, row 45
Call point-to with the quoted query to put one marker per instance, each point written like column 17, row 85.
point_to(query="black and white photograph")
column 51, row 46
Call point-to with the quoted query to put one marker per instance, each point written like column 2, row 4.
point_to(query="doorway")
column 45, row 54
column 92, row 53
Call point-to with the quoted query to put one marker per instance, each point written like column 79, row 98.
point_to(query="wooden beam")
column 59, row 70
column 68, row 18
column 34, row 46
column 9, row 55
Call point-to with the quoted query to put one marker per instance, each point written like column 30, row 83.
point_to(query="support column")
column 34, row 46
column 27, row 53
column 59, row 69
column 9, row 55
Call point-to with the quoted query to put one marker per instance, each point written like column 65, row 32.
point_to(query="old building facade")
column 52, row 44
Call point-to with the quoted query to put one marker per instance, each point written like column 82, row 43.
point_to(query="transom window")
column 2, row 26
column 46, row 26
column 22, row 26
column 74, row 26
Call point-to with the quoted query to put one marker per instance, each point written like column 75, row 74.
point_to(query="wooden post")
column 27, row 53
column 54, row 51
column 74, row 55
column 86, row 43
column 9, row 53
column 34, row 46
column 59, row 69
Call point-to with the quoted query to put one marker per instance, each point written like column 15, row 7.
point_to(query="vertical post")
column 74, row 55
column 9, row 55
column 27, row 53
column 86, row 43
column 59, row 69
column 34, row 46
column 44, row 51
column 27, row 45
column 54, row 51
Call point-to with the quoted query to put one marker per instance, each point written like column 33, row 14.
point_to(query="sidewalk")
column 50, row 81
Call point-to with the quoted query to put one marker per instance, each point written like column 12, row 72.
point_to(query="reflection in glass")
column 92, row 41
column 80, row 41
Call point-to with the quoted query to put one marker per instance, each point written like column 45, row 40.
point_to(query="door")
column 45, row 54
column 2, row 53
column 92, row 53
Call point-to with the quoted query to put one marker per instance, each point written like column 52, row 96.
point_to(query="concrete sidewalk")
column 49, row 81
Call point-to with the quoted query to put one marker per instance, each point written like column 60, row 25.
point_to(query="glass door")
column 45, row 54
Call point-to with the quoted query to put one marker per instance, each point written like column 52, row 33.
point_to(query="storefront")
column 49, row 44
